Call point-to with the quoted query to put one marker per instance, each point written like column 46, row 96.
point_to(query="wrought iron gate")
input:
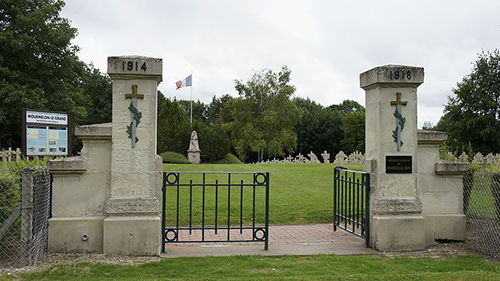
column 351, row 202
column 207, row 207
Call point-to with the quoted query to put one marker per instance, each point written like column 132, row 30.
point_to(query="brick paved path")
column 286, row 239
column 279, row 235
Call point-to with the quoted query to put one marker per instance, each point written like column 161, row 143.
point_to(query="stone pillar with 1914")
column 132, row 225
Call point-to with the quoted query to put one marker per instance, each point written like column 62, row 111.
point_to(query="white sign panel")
column 46, row 118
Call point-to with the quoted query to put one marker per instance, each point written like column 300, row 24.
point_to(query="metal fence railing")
column 215, row 207
column 24, row 213
column 351, row 202
column 482, row 209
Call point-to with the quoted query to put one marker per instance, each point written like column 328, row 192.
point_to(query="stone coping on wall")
column 444, row 167
column 94, row 131
column 431, row 137
column 73, row 165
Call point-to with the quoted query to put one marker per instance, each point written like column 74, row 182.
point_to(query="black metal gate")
column 351, row 202
column 207, row 207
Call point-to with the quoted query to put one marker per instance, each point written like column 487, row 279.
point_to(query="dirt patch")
column 438, row 251
column 53, row 259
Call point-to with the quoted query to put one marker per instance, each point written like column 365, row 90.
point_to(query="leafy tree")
column 39, row 67
column 473, row 114
column 347, row 107
column 429, row 126
column 318, row 128
column 98, row 90
column 262, row 119
column 213, row 110
column 353, row 128
column 160, row 102
column 174, row 130
column 214, row 141
column 199, row 110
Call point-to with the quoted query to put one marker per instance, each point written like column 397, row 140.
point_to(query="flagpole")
column 191, row 97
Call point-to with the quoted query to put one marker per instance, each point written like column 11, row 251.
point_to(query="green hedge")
column 174, row 157
column 228, row 159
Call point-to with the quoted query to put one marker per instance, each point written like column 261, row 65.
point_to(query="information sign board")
column 46, row 133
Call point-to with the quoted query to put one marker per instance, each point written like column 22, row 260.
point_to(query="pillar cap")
column 392, row 76
column 135, row 68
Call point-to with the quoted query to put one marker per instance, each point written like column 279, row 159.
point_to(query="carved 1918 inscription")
column 400, row 74
column 398, row 165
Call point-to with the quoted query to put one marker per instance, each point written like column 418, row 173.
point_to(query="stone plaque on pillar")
column 391, row 142
column 132, row 225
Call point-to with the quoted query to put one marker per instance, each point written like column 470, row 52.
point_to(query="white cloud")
column 326, row 44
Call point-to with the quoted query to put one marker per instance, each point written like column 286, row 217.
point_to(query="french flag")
column 184, row 83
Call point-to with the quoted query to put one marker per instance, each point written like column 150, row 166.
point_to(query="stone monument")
column 415, row 198
column 313, row 158
column 133, row 223
column 108, row 199
column 194, row 149
column 326, row 157
column 391, row 151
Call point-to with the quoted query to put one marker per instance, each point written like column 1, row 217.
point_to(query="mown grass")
column 299, row 194
column 321, row 267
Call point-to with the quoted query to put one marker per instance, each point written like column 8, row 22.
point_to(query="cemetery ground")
column 300, row 194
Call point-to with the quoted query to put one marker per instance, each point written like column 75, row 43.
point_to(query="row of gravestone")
column 341, row 158
column 478, row 158
column 359, row 158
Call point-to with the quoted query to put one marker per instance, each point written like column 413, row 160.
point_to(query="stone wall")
column 81, row 188
column 440, row 190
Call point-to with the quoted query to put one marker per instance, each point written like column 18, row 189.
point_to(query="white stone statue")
column 194, row 149
column 193, row 144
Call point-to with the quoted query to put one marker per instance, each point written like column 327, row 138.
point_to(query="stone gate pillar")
column 132, row 224
column 391, row 156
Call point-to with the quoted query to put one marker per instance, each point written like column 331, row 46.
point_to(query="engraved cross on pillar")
column 136, row 115
column 400, row 120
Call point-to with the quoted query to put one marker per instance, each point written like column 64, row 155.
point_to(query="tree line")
column 40, row 69
column 264, row 121
column 472, row 114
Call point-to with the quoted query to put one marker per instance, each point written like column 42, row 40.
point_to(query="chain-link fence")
column 482, row 209
column 24, row 213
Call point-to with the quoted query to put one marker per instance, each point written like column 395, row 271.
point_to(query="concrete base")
column 194, row 157
column 132, row 235
column 397, row 233
column 444, row 227
column 67, row 235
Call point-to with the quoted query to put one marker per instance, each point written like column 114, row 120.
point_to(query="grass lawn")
column 299, row 194
column 322, row 267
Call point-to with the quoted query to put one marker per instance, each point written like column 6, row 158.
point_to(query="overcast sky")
column 326, row 44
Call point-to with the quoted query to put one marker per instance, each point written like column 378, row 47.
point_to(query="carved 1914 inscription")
column 134, row 65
